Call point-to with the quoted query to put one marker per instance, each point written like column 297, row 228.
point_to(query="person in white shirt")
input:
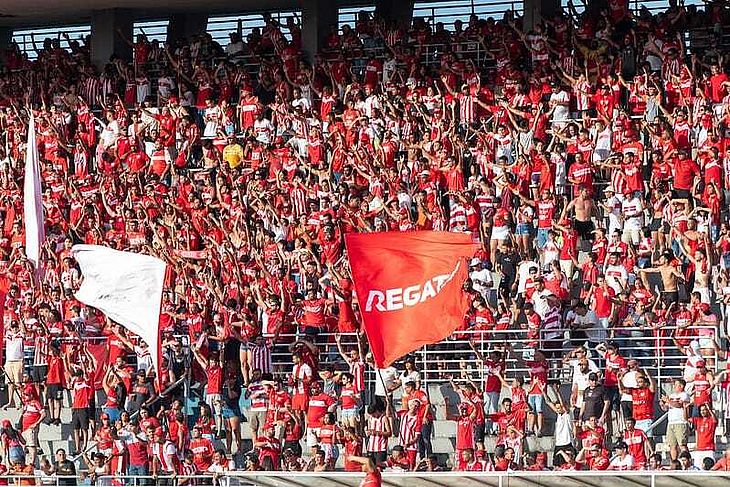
column 582, row 369
column 235, row 47
column 13, row 360
column 676, row 406
column 621, row 460
column 612, row 206
column 481, row 278
column 264, row 129
column 632, row 209
column 560, row 105
column 564, row 427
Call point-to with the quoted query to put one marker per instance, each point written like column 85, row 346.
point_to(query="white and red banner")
column 35, row 233
column 409, row 287
column 126, row 287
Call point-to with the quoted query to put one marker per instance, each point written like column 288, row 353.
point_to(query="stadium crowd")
column 587, row 155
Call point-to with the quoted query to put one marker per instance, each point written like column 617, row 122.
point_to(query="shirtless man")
column 584, row 207
column 702, row 274
column 670, row 278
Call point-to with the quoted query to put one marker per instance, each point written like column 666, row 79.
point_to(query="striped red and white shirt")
column 377, row 441
column 260, row 357
column 40, row 353
column 166, row 456
column 357, row 369
column 410, row 428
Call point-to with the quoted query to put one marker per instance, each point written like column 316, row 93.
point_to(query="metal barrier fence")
column 653, row 349
column 659, row 478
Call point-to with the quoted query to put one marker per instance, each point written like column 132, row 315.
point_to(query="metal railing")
column 646, row 478
column 654, row 351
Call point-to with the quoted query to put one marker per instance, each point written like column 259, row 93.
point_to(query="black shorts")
column 378, row 457
column 670, row 297
column 80, row 419
column 54, row 391
column 479, row 432
column 613, row 397
column 295, row 446
column 584, row 229
column 39, row 373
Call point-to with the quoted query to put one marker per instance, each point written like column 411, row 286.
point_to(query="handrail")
column 656, row 423
column 161, row 395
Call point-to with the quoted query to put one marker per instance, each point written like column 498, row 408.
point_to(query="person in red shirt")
column 468, row 462
column 202, row 449
column 319, row 405
column 214, row 389
column 269, row 448
column 32, row 416
column 704, row 426
column 637, row 443
column 82, row 393
column 373, row 478
column 54, row 384
column 685, row 172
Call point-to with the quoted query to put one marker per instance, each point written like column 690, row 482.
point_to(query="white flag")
column 126, row 287
column 35, row 233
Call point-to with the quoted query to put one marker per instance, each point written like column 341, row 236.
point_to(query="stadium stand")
column 588, row 156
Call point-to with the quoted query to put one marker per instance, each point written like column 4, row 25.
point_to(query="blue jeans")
column 138, row 470
column 424, row 441
column 542, row 236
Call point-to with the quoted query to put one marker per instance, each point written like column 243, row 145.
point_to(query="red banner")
column 191, row 254
column 409, row 287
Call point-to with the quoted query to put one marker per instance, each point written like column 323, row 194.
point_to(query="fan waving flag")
column 409, row 287
column 126, row 287
column 33, row 200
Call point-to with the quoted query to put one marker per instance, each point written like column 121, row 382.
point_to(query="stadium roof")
column 42, row 12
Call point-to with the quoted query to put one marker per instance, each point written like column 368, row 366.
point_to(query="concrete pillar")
column 6, row 37
column 184, row 26
column 317, row 18
column 105, row 38
column 401, row 11
column 536, row 10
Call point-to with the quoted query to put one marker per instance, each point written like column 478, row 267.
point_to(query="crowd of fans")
column 587, row 155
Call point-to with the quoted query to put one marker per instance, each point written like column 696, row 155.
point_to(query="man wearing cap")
column 596, row 402
column 612, row 209
column 622, row 460
column 481, row 278
column 269, row 448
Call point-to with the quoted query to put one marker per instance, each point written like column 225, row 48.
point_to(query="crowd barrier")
column 660, row 478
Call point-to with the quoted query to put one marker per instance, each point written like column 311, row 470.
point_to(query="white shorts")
column 500, row 233
column 312, row 434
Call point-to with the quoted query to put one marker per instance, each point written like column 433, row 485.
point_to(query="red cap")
column 104, row 416
column 6, row 423
column 159, row 431
column 700, row 363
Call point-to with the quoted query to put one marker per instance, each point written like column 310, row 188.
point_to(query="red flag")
column 409, row 287
column 100, row 351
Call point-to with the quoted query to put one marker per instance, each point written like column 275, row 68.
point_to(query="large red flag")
column 409, row 287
